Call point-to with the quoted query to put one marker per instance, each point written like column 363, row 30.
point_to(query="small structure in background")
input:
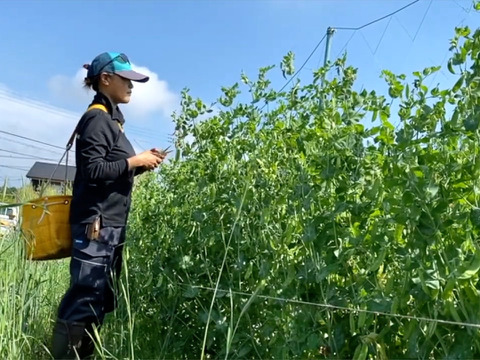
column 54, row 174
column 8, row 217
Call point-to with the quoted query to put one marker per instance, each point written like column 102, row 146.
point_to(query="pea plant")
column 316, row 221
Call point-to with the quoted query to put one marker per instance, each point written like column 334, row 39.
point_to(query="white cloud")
column 70, row 89
column 24, row 118
column 150, row 98
column 148, row 113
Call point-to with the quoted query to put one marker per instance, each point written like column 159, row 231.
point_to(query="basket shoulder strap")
column 69, row 146
column 91, row 107
column 97, row 106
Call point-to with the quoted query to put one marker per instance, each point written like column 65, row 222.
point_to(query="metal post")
column 330, row 32
column 5, row 188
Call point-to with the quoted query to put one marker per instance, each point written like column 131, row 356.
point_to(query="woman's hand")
column 162, row 154
column 149, row 159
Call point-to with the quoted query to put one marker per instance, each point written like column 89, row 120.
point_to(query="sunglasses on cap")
column 121, row 58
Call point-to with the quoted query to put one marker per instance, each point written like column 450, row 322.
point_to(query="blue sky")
column 198, row 44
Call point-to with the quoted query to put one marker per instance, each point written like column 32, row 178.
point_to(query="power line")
column 383, row 34
column 19, row 153
column 346, row 44
column 3, row 178
column 16, row 98
column 30, row 146
column 355, row 29
column 366, row 42
column 423, row 19
column 404, row 28
column 12, row 152
column 15, row 167
column 464, row 9
column 301, row 67
column 390, row 15
column 20, row 157
column 140, row 129
column 379, row 19
column 30, row 139
column 338, row 307
column 419, row 26
column 372, row 51
column 134, row 133
column 346, row 28
column 137, row 132
column 24, row 156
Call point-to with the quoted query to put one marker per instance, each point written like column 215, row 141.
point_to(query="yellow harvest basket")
column 46, row 227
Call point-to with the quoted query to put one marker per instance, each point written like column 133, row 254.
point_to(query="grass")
column 30, row 292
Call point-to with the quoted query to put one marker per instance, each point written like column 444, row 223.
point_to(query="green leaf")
column 458, row 84
column 190, row 292
column 361, row 352
column 287, row 65
column 448, row 289
column 245, row 78
column 455, row 116
column 450, row 66
column 432, row 191
column 453, row 311
column 362, row 317
column 313, row 341
column 475, row 217
column 399, row 233
column 458, row 59
column 462, row 31
column 378, row 260
column 471, row 269
column 471, row 123
column 427, row 110
column 395, row 92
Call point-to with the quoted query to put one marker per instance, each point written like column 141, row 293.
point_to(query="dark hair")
column 91, row 82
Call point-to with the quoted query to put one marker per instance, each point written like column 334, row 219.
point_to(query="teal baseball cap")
column 116, row 63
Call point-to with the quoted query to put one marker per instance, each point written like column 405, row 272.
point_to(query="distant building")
column 42, row 172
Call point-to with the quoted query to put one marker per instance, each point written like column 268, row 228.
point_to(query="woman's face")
column 117, row 88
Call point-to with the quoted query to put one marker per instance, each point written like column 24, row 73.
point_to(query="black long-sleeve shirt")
column 102, row 182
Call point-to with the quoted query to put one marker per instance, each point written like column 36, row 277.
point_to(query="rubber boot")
column 70, row 341
column 87, row 346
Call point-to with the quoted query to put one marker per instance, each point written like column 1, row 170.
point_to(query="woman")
column 106, row 165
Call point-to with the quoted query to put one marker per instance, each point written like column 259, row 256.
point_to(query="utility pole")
column 330, row 32
column 5, row 188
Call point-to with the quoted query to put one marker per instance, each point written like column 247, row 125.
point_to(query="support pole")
column 330, row 32
column 5, row 188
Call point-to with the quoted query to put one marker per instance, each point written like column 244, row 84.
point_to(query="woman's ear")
column 105, row 79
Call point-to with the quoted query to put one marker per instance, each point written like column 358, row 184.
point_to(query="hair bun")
column 86, row 66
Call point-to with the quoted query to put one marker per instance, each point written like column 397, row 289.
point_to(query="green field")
column 319, row 221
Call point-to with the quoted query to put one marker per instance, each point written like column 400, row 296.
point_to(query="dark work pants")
column 94, row 267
